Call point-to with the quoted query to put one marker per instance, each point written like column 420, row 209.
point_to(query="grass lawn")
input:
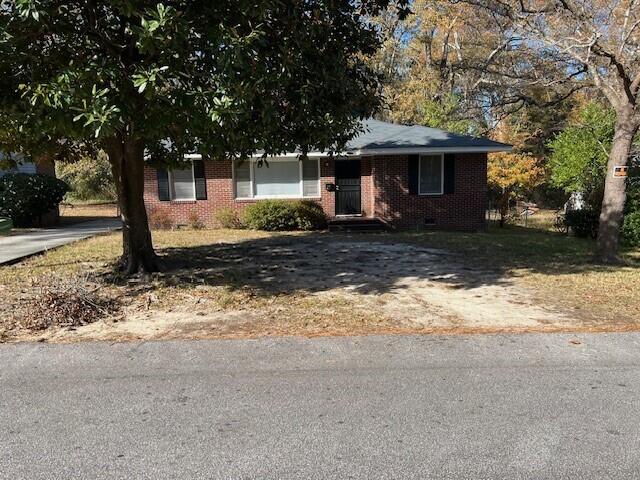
column 555, row 268
column 212, row 275
column 77, row 212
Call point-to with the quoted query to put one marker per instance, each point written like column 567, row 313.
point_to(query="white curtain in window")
column 431, row 174
column 243, row 178
column 310, row 176
column 182, row 184
column 279, row 178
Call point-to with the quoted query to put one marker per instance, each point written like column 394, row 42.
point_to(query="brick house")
column 406, row 176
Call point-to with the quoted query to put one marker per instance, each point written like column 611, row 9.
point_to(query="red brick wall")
column 462, row 210
column 384, row 194
column 220, row 194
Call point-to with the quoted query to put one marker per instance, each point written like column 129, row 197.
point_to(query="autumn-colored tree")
column 560, row 47
column 422, row 60
column 515, row 174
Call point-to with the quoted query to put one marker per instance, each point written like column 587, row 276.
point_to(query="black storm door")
column 348, row 187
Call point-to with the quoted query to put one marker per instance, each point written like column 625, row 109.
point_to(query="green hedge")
column 283, row 215
column 631, row 229
column 26, row 198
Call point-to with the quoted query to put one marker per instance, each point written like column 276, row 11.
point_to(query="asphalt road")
column 477, row 407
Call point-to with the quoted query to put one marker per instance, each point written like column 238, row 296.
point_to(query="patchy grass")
column 217, row 280
column 77, row 212
column 557, row 269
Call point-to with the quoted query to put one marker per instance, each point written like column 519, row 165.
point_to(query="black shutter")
column 201, row 182
column 449, row 173
column 163, row 184
column 414, row 161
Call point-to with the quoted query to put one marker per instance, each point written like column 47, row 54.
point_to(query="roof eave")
column 422, row 150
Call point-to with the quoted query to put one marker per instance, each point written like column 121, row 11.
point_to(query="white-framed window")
column 431, row 174
column 277, row 178
column 182, row 184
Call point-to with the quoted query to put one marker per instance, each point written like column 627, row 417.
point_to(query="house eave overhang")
column 391, row 151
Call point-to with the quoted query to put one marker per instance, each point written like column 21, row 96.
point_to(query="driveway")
column 483, row 407
column 16, row 247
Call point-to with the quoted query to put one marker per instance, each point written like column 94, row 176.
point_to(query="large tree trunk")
column 611, row 215
column 127, row 163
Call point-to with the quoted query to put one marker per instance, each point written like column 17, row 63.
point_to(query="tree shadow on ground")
column 368, row 263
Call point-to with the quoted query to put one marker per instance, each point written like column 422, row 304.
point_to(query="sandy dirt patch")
column 323, row 285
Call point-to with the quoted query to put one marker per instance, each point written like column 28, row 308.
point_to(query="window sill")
column 430, row 194
column 256, row 199
column 184, row 201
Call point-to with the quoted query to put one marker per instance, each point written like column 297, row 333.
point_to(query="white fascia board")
column 424, row 150
column 380, row 151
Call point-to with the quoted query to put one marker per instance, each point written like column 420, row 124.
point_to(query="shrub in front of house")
column 583, row 222
column 27, row 198
column 228, row 218
column 631, row 229
column 310, row 216
column 283, row 215
column 159, row 219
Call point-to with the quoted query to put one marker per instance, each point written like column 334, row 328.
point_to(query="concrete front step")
column 357, row 224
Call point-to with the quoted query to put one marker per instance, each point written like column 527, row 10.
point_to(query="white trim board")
column 379, row 151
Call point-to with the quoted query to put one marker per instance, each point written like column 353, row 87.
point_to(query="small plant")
column 583, row 222
column 194, row 221
column 159, row 219
column 283, row 215
column 26, row 198
column 228, row 218
column 631, row 229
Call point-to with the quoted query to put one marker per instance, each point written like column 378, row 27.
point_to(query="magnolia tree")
column 146, row 80
column 560, row 46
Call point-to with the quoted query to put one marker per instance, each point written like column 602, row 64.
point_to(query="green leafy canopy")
column 579, row 154
column 224, row 77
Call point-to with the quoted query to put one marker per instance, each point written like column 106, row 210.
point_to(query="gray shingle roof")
column 384, row 135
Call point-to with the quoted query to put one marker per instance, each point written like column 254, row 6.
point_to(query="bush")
column 228, row 218
column 282, row 215
column 631, row 229
column 194, row 221
column 310, row 216
column 159, row 219
column 584, row 222
column 26, row 198
column 89, row 178
column 271, row 215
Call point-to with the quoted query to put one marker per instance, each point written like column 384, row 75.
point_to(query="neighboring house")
column 407, row 176
column 29, row 167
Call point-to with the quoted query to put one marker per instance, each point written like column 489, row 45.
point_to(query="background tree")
column 514, row 175
column 228, row 78
column 425, row 83
column 579, row 154
column 561, row 46
column 90, row 178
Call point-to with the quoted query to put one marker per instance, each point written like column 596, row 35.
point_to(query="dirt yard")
column 241, row 283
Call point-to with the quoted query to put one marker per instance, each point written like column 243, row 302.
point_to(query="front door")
column 348, row 187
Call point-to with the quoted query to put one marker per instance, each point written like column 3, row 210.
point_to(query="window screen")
column 431, row 174
column 243, row 179
column 310, row 177
column 277, row 179
column 182, row 184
